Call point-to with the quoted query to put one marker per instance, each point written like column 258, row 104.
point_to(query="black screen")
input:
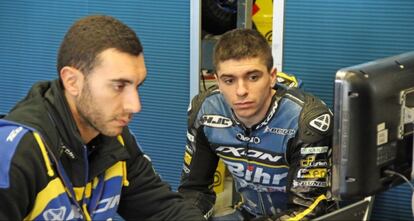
column 373, row 115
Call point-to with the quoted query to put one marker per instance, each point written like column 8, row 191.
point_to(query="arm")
column 200, row 163
column 149, row 198
column 309, row 157
column 26, row 176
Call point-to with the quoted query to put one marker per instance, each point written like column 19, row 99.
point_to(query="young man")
column 274, row 141
column 66, row 151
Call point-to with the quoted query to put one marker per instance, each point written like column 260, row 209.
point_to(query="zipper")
column 248, row 133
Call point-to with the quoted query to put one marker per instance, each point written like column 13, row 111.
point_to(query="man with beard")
column 65, row 149
column 274, row 140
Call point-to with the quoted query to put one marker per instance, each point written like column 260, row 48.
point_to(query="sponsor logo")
column 241, row 137
column 216, row 121
column 241, row 151
column 189, row 149
column 13, row 134
column 67, row 151
column 187, row 158
column 310, row 162
column 279, row 131
column 185, row 169
column 74, row 214
column 321, row 123
column 259, row 188
column 190, row 137
column 107, row 204
column 312, row 173
column 308, row 183
column 253, row 173
column 55, row 214
column 313, row 150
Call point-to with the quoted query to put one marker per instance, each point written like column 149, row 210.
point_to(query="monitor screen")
column 373, row 126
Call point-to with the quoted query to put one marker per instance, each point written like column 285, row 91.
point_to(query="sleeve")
column 309, row 157
column 148, row 197
column 200, row 163
column 24, row 175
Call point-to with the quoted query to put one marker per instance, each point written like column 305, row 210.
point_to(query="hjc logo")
column 216, row 121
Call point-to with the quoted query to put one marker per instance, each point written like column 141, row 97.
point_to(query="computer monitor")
column 373, row 126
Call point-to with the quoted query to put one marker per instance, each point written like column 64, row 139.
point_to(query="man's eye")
column 119, row 87
column 228, row 81
column 253, row 77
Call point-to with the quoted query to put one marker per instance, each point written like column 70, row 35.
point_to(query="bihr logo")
column 216, row 121
column 255, row 174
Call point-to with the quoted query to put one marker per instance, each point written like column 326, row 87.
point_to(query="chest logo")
column 216, row 121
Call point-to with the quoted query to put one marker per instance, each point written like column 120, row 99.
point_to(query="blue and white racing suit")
column 281, row 166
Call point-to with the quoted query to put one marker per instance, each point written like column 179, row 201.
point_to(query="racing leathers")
column 280, row 166
column 48, row 173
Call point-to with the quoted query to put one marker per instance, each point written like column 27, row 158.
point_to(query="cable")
column 390, row 172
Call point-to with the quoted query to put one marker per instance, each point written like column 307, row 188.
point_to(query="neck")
column 260, row 115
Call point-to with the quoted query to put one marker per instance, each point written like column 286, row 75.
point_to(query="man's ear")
column 273, row 76
column 72, row 80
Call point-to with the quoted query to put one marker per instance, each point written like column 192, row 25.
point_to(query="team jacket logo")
column 321, row 123
column 55, row 214
column 309, row 183
column 254, row 173
column 13, row 134
column 279, row 131
column 248, row 153
column 216, row 121
column 312, row 173
column 241, row 137
column 310, row 162
column 108, row 203
column 313, row 150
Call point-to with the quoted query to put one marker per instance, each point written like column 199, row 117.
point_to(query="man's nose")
column 241, row 88
column 132, row 102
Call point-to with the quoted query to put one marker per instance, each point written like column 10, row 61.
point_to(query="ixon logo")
column 216, row 121
column 249, row 153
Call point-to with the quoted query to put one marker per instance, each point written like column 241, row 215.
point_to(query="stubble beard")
column 89, row 113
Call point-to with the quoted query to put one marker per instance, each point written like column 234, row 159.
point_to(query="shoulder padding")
column 197, row 101
column 10, row 136
column 316, row 120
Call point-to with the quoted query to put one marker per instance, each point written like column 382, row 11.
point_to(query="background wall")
column 322, row 36
column 31, row 32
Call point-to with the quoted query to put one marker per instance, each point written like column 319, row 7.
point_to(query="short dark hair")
column 240, row 44
column 91, row 35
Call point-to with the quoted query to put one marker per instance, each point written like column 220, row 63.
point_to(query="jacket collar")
column 45, row 109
